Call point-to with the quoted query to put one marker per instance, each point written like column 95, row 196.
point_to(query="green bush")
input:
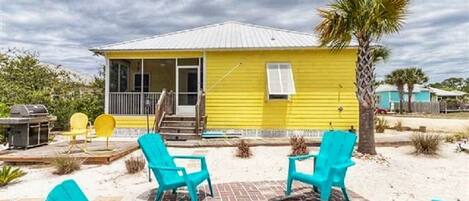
column 25, row 80
column 65, row 164
column 4, row 110
column 425, row 143
column 9, row 174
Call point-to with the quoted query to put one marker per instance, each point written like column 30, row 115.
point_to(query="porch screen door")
column 186, row 90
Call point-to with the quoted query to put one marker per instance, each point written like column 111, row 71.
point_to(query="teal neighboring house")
column 388, row 95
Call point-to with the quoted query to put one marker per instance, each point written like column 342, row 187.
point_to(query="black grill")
column 27, row 126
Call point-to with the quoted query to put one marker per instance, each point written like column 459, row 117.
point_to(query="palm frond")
column 381, row 54
column 364, row 19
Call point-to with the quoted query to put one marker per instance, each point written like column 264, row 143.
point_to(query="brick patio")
column 246, row 191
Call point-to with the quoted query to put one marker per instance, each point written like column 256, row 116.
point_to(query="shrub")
column 298, row 146
column 9, row 174
column 134, row 164
column 456, row 137
column 449, row 138
column 398, row 126
column 66, row 164
column 244, row 151
column 4, row 112
column 425, row 143
column 380, row 125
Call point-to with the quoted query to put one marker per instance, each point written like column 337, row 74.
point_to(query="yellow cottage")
column 236, row 78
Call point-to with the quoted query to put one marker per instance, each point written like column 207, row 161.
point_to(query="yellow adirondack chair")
column 104, row 127
column 78, row 126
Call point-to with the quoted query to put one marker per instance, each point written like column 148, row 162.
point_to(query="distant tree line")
column 453, row 83
column 25, row 80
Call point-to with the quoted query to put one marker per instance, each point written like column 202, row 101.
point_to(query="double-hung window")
column 280, row 83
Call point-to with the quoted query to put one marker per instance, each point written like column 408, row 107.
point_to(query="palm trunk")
column 400, row 89
column 410, row 89
column 365, row 95
column 401, row 102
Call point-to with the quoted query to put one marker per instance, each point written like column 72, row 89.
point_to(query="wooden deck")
column 95, row 154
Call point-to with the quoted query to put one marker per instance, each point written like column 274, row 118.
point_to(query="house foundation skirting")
column 135, row 132
column 271, row 132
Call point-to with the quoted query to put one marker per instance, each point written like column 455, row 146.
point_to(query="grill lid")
column 28, row 110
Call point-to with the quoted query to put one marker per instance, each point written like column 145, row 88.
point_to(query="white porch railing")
column 132, row 103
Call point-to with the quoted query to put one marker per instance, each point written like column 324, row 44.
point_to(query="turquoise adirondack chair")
column 68, row 190
column 330, row 164
column 168, row 175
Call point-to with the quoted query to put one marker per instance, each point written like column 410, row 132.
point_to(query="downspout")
column 142, row 97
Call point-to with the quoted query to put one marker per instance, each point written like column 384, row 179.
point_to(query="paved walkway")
column 246, row 191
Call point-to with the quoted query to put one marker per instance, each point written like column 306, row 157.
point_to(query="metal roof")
column 388, row 87
column 441, row 92
column 227, row 35
column 419, row 88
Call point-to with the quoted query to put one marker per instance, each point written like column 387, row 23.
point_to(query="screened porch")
column 135, row 85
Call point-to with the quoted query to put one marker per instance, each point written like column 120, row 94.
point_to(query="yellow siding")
column 154, row 55
column 240, row 100
column 133, row 121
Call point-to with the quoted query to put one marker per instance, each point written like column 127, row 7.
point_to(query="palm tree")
column 397, row 77
column 413, row 76
column 380, row 54
column 366, row 21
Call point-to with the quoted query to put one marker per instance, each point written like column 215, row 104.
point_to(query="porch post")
column 106, row 85
column 204, row 75
column 142, row 97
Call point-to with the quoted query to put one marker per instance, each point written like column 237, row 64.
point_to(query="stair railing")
column 200, row 112
column 164, row 106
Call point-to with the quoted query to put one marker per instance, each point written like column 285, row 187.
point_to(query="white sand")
column 405, row 177
column 442, row 125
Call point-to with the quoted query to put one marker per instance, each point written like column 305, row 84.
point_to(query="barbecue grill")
column 28, row 126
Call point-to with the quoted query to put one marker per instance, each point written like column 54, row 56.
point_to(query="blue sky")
column 435, row 36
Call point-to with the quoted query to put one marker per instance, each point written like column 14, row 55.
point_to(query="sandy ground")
column 441, row 125
column 403, row 177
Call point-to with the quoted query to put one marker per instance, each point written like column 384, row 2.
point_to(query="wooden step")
column 180, row 136
column 180, row 118
column 178, row 123
column 178, row 129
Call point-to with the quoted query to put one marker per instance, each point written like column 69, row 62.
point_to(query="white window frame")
column 287, row 95
column 119, row 65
